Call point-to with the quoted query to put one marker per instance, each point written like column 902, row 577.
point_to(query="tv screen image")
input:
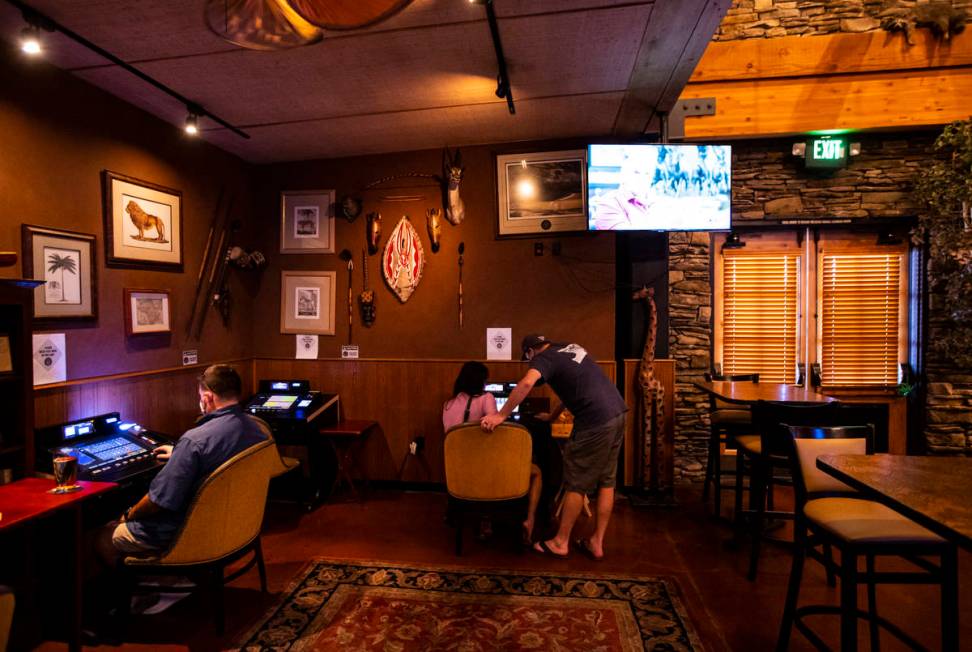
column 659, row 187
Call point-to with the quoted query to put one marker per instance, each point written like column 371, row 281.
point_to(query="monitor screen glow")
column 659, row 187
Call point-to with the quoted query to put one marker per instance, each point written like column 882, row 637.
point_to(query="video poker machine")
column 291, row 406
column 108, row 449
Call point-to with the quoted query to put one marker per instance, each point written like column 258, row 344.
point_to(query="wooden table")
column 27, row 500
column 928, row 490
column 747, row 392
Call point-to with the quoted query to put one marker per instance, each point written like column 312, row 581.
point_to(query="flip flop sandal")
column 545, row 550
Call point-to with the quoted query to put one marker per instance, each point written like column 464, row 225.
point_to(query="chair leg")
column 875, row 631
column 792, row 591
column 458, row 516
column 831, row 575
column 769, row 490
column 717, row 492
column 261, row 567
column 219, row 608
column 709, row 460
column 738, row 498
column 950, row 614
column 848, row 601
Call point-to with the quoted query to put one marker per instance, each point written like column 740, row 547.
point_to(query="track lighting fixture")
column 37, row 22
column 192, row 127
column 30, row 42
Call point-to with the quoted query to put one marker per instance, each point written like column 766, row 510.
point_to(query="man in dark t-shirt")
column 591, row 453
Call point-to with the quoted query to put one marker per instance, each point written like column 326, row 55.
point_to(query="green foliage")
column 943, row 193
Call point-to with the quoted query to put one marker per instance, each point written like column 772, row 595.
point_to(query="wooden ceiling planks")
column 794, row 84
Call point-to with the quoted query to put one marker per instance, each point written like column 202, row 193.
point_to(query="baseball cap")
column 532, row 341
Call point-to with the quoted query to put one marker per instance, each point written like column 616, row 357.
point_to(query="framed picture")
column 307, row 222
column 65, row 260
column 143, row 224
column 146, row 312
column 544, row 192
column 307, row 302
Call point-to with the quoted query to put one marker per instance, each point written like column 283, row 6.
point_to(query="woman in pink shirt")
column 471, row 402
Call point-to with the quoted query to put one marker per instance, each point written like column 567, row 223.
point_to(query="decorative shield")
column 403, row 260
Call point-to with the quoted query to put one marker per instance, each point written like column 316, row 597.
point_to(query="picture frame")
column 67, row 262
column 542, row 192
column 307, row 302
column 147, row 312
column 307, row 222
column 143, row 223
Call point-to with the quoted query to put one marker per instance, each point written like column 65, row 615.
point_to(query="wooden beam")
column 772, row 107
column 800, row 56
column 674, row 40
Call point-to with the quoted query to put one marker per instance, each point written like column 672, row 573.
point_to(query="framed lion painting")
column 143, row 224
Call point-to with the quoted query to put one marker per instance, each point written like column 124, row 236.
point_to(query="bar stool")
column 830, row 514
column 727, row 421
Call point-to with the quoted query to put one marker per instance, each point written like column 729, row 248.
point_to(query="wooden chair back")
column 717, row 404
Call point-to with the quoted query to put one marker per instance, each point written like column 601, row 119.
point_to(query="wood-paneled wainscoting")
column 163, row 399
column 404, row 396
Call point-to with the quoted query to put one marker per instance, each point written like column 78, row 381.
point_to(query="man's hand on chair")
column 490, row 421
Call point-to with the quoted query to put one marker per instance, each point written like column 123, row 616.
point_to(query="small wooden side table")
column 346, row 439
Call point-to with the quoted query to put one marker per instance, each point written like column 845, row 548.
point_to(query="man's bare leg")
column 573, row 503
column 536, row 484
column 605, row 505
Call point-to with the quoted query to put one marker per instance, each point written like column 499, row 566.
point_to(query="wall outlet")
column 537, row 248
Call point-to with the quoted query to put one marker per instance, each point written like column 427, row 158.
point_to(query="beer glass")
column 65, row 474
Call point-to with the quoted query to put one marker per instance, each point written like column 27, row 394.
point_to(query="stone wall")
column 773, row 18
column 770, row 183
column 948, row 404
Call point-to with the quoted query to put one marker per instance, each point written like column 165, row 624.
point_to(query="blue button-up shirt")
column 217, row 437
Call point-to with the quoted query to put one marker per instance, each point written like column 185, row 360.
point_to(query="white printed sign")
column 50, row 358
column 499, row 343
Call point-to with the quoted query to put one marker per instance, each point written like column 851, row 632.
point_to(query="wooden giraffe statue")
column 652, row 398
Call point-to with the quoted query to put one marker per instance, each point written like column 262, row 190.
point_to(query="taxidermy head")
column 452, row 171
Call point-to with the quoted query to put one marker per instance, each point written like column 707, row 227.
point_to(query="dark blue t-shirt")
column 579, row 383
column 217, row 437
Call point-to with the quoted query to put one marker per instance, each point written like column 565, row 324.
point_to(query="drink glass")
column 65, row 474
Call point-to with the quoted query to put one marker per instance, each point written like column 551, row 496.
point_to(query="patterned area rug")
column 347, row 606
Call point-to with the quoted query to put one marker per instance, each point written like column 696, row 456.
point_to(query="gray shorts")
column 591, row 456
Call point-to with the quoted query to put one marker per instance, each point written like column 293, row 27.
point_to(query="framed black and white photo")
column 542, row 192
column 65, row 261
column 307, row 301
column 147, row 312
column 307, row 222
column 143, row 224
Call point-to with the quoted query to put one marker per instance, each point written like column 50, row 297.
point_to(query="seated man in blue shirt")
column 223, row 431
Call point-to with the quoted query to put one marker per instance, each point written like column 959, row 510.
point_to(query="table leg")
column 74, row 634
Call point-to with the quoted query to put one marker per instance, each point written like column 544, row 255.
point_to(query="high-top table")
column 932, row 491
column 747, row 392
column 24, row 501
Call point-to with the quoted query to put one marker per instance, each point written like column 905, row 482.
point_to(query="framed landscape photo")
column 65, row 261
column 307, row 222
column 146, row 312
column 307, row 302
column 143, row 223
column 543, row 192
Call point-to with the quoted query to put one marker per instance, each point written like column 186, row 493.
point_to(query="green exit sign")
column 826, row 152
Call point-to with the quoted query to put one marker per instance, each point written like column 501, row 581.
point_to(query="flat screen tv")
column 658, row 187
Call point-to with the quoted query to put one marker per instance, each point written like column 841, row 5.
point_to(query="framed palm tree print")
column 65, row 261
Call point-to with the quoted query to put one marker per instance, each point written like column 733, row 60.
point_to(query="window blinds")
column 859, row 303
column 760, row 325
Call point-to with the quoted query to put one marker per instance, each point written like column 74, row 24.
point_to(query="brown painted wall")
column 570, row 297
column 58, row 133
